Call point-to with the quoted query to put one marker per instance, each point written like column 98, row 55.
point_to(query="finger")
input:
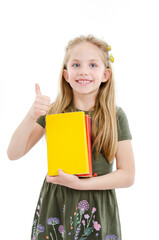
column 37, row 89
column 52, row 179
column 40, row 100
column 48, row 178
column 40, row 113
column 43, row 97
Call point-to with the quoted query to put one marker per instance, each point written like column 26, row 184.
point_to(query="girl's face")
column 85, row 69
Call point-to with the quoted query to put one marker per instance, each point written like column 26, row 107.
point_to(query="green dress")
column 69, row 214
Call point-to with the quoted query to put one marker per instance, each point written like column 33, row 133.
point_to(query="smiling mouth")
column 83, row 81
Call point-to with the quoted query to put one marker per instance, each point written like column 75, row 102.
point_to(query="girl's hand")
column 40, row 105
column 64, row 179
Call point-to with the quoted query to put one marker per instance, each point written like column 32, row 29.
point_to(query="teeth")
column 83, row 82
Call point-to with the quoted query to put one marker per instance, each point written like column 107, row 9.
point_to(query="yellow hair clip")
column 111, row 58
column 108, row 47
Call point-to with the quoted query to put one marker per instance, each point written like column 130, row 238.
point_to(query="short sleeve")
column 122, row 125
column 41, row 121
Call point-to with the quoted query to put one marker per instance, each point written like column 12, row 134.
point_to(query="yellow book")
column 67, row 143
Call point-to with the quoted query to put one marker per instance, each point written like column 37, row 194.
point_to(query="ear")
column 106, row 75
column 65, row 75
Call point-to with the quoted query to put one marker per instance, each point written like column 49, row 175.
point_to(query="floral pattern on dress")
column 82, row 224
column 37, row 229
column 111, row 237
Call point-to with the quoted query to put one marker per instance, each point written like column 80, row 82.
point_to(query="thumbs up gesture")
column 40, row 105
column 37, row 89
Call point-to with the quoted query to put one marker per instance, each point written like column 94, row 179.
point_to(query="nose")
column 83, row 71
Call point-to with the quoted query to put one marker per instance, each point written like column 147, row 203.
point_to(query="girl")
column 70, row 207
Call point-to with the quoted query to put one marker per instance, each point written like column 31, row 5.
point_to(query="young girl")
column 70, row 207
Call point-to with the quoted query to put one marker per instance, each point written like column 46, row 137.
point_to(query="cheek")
column 98, row 75
column 72, row 75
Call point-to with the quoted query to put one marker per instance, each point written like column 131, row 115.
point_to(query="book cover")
column 67, row 147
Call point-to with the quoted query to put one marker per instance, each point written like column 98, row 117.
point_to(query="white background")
column 32, row 42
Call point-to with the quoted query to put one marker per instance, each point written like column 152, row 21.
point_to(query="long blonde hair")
column 104, row 126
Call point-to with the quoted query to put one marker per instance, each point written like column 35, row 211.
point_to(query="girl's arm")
column 29, row 132
column 122, row 177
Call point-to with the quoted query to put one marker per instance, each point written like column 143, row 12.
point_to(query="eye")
column 75, row 65
column 93, row 65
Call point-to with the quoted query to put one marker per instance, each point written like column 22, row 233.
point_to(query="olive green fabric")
column 64, row 213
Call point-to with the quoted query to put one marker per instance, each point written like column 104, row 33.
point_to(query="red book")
column 88, row 133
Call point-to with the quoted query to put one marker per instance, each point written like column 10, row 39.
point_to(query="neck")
column 84, row 102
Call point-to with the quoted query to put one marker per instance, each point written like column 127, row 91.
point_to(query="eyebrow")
column 77, row 60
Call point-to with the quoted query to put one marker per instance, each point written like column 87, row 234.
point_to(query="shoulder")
column 119, row 112
column 122, row 125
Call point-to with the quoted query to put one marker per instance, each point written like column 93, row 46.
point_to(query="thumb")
column 37, row 89
column 60, row 171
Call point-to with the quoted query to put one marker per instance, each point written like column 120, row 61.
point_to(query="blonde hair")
column 104, row 126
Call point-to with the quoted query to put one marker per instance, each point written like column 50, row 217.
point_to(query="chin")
column 86, row 92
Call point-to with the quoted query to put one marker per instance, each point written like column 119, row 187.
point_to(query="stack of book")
column 68, row 137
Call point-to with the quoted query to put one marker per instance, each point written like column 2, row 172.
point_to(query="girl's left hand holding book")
column 64, row 179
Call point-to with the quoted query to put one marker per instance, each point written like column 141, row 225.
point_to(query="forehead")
column 85, row 51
